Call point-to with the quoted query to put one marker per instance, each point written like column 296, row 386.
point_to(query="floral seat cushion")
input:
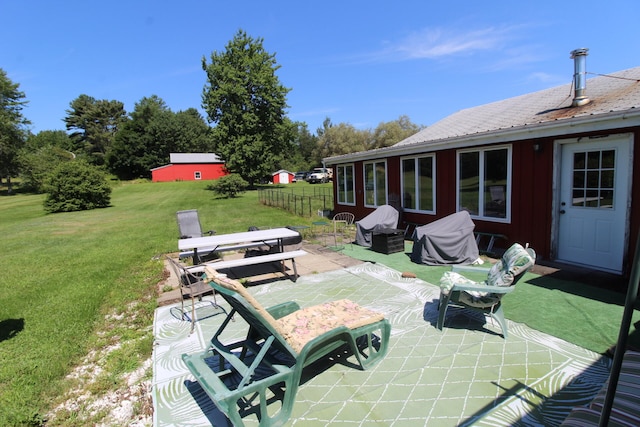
column 305, row 324
column 515, row 261
column 301, row 326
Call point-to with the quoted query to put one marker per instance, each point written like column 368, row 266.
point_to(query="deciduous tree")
column 41, row 154
column 246, row 102
column 390, row 133
column 343, row 138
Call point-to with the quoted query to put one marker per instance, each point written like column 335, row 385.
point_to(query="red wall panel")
column 187, row 172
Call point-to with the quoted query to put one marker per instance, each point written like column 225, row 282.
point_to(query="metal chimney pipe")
column 579, row 57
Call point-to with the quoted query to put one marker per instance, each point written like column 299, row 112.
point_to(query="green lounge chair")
column 486, row 296
column 280, row 342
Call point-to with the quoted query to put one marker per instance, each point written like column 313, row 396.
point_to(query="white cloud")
column 438, row 43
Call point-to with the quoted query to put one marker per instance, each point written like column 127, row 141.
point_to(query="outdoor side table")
column 388, row 241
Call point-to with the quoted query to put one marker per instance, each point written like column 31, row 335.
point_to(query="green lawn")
column 64, row 274
column 74, row 282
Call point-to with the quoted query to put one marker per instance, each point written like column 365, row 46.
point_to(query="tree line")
column 246, row 125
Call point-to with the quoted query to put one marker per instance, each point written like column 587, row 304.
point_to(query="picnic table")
column 274, row 237
column 234, row 241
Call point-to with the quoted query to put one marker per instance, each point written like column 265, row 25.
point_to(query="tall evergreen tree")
column 154, row 131
column 13, row 127
column 134, row 147
column 94, row 124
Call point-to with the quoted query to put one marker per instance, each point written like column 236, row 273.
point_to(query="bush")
column 229, row 185
column 76, row 186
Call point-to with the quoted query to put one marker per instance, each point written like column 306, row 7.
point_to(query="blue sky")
column 355, row 62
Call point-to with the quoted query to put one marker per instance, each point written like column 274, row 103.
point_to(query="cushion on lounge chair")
column 280, row 342
column 303, row 325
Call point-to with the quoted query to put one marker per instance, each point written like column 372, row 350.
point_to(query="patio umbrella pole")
column 630, row 302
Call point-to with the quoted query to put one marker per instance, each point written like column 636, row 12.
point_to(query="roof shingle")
column 615, row 92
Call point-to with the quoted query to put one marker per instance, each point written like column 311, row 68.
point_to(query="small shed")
column 282, row 177
column 190, row 167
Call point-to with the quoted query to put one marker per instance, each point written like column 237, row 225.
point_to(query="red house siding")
column 531, row 193
column 187, row 172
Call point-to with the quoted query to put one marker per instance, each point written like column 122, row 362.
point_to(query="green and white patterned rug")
column 465, row 375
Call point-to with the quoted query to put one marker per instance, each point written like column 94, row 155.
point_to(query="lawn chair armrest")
column 324, row 344
column 470, row 268
column 282, row 309
column 483, row 288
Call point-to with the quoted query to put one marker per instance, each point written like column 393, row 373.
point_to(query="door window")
column 593, row 179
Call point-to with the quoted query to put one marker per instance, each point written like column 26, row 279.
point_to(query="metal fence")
column 300, row 202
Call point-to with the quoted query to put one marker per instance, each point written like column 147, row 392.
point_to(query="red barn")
column 190, row 167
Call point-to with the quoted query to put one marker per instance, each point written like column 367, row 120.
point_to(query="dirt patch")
column 97, row 397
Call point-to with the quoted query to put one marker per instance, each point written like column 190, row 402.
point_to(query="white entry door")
column 593, row 206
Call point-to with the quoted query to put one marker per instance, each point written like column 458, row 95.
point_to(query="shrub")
column 76, row 186
column 229, row 185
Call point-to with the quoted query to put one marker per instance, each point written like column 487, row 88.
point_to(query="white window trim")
column 375, row 190
column 417, row 178
column 353, row 183
column 480, row 216
column 197, row 175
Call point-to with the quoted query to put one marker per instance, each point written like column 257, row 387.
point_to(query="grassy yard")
column 77, row 282
column 74, row 282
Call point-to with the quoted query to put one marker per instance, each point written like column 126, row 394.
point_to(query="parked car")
column 318, row 175
column 300, row 176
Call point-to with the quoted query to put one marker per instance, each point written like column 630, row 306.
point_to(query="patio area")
column 465, row 375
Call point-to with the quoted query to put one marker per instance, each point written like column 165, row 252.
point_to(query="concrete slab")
column 320, row 259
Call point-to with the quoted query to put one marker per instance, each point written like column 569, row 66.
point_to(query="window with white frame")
column 484, row 183
column 375, row 183
column 418, row 183
column 345, row 183
column 197, row 175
